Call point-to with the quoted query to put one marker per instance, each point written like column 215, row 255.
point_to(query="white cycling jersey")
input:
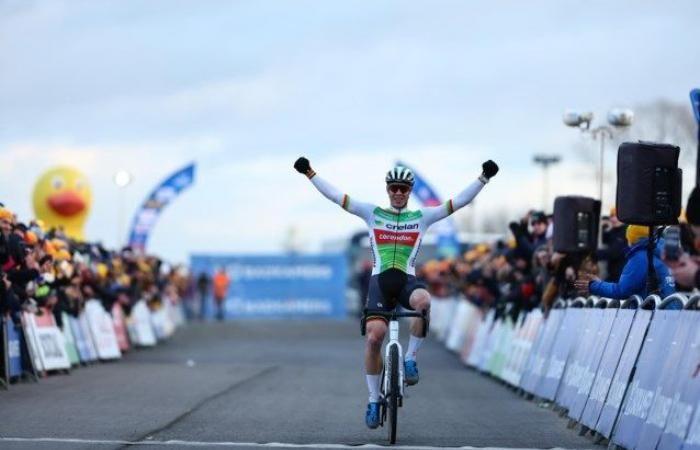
column 395, row 235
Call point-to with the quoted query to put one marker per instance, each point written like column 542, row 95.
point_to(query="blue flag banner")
column 278, row 286
column 695, row 101
column 147, row 215
column 447, row 242
column 641, row 391
column 608, row 365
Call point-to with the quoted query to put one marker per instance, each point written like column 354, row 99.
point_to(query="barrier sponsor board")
column 618, row 386
column 481, row 339
column 538, row 359
column 559, row 355
column 686, row 399
column 641, row 391
column 140, row 326
column 48, row 341
column 608, row 365
column 591, row 360
column 102, row 330
column 472, row 328
column 522, row 346
column 71, row 349
column 279, row 286
column 87, row 335
column 460, row 325
column 120, row 331
column 14, row 352
column 668, row 384
column 80, row 341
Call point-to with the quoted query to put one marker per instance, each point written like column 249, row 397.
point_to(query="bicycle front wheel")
column 394, row 392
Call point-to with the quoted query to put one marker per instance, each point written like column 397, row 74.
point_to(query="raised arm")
column 434, row 213
column 360, row 209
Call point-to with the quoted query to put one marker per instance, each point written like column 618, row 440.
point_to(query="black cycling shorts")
column 376, row 300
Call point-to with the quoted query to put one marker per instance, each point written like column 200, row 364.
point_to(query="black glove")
column 490, row 169
column 302, row 165
column 516, row 229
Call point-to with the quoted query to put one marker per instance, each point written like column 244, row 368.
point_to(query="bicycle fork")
column 394, row 340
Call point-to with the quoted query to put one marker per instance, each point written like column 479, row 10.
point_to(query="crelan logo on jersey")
column 408, row 226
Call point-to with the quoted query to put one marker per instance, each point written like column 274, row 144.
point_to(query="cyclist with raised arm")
column 395, row 235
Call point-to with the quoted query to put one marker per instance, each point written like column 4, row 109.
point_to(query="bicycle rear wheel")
column 394, row 392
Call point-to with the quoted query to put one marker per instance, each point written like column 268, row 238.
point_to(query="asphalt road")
column 243, row 384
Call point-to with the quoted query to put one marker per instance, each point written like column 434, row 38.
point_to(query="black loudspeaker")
column 576, row 222
column 648, row 183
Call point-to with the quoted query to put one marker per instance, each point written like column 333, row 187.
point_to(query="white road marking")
column 237, row 444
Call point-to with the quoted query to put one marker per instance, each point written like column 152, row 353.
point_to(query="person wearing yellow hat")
column 633, row 280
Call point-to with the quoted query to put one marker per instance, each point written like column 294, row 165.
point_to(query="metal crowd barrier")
column 627, row 372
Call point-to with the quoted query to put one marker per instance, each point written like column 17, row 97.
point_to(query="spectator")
column 686, row 270
column 221, row 284
column 615, row 246
column 633, row 280
column 203, row 283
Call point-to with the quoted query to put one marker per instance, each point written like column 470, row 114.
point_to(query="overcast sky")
column 244, row 87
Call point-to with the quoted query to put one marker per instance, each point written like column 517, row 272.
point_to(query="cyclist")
column 395, row 235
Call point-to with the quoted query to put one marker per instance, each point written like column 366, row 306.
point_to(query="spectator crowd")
column 43, row 270
column 524, row 272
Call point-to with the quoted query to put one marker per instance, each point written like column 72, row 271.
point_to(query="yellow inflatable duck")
column 62, row 198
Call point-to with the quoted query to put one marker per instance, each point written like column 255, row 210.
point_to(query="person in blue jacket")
column 633, row 279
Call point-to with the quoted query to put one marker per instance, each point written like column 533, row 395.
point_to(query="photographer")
column 615, row 246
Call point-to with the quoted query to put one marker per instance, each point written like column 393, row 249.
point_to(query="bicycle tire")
column 393, row 398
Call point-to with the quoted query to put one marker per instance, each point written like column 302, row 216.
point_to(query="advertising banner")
column 87, row 335
column 642, row 390
column 102, row 330
column 559, row 355
column 687, row 397
column 668, row 384
column 120, row 327
column 608, row 366
column 14, row 351
column 553, row 368
column 279, row 286
column 618, row 386
column 48, row 341
column 522, row 346
column 71, row 348
column 574, row 365
column 481, row 339
column 80, row 342
column 140, row 327
column 591, row 360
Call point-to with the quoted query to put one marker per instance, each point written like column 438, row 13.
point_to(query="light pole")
column 545, row 161
column 122, row 179
column 617, row 118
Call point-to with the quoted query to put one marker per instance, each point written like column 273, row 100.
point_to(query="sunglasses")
column 394, row 188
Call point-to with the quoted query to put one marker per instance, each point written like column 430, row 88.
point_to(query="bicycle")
column 393, row 373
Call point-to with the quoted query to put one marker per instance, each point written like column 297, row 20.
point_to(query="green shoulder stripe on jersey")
column 403, row 217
